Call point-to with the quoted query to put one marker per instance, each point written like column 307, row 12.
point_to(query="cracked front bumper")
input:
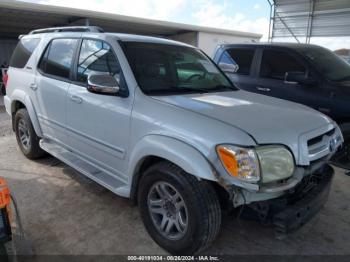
column 295, row 208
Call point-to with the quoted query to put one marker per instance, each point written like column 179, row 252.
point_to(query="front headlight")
column 276, row 163
column 241, row 163
column 270, row 163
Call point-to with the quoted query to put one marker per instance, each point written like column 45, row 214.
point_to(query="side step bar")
column 98, row 175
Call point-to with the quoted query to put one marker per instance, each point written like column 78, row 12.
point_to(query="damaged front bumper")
column 297, row 206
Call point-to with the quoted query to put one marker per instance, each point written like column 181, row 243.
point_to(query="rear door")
column 241, row 59
column 274, row 64
column 52, row 83
column 22, row 66
column 98, row 124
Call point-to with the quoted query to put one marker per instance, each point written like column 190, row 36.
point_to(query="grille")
column 318, row 139
column 321, row 146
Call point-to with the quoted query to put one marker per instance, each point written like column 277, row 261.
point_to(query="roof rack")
column 94, row 29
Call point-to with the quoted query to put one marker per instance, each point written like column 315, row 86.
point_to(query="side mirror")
column 228, row 68
column 298, row 78
column 103, row 84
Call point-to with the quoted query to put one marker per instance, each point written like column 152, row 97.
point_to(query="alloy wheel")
column 23, row 134
column 168, row 211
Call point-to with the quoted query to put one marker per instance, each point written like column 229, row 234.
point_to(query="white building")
column 18, row 18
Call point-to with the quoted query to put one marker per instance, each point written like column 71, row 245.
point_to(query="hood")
column 268, row 120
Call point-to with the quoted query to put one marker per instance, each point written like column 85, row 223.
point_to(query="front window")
column 96, row 58
column 327, row 63
column 173, row 69
column 272, row 67
column 242, row 59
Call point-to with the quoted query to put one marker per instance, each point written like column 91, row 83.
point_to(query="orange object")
column 229, row 160
column 4, row 194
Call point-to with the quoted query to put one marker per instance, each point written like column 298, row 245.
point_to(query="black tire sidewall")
column 23, row 114
column 186, row 245
column 34, row 151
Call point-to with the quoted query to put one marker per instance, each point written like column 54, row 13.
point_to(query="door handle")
column 33, row 86
column 76, row 99
column 264, row 89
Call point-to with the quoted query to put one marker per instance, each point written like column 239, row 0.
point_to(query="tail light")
column 5, row 78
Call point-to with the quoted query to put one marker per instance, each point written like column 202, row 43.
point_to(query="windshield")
column 172, row 69
column 327, row 63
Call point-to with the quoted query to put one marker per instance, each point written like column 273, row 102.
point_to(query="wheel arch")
column 23, row 101
column 155, row 148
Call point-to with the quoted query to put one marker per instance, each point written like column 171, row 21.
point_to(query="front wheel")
column 181, row 213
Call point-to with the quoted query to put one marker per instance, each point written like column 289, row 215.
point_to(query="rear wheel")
column 342, row 157
column 181, row 213
column 27, row 139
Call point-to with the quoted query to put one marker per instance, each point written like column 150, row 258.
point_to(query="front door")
column 271, row 78
column 98, row 125
column 240, row 60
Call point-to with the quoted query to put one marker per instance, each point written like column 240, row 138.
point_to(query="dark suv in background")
column 303, row 73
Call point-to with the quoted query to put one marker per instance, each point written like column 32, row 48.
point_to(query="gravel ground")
column 5, row 124
column 63, row 212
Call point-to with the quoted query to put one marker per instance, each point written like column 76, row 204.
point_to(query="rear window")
column 23, row 51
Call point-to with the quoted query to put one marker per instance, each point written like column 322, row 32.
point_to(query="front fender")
column 21, row 96
column 173, row 150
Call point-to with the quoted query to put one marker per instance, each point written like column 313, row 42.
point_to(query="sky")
column 243, row 15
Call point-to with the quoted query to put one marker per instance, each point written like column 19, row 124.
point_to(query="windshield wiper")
column 175, row 89
column 223, row 87
column 193, row 89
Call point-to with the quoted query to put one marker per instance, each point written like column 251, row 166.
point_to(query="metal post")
column 276, row 15
column 269, row 39
column 286, row 26
column 310, row 21
column 87, row 22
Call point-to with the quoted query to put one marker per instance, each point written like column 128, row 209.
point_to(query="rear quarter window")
column 23, row 52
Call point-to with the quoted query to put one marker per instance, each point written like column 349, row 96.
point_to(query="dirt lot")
column 65, row 213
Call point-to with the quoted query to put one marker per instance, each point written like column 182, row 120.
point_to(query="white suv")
column 158, row 122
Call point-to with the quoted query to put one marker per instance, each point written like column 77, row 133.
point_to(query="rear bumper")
column 294, row 209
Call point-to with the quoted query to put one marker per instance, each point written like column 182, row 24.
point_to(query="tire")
column 23, row 124
column 203, row 217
